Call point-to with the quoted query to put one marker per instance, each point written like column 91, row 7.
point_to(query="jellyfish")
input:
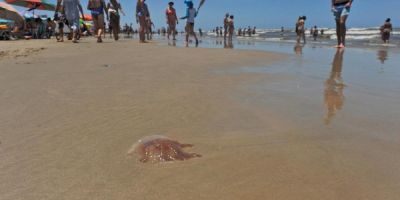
column 157, row 148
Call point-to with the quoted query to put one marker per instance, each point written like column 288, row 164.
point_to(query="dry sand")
column 69, row 114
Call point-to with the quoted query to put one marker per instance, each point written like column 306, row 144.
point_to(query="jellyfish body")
column 158, row 148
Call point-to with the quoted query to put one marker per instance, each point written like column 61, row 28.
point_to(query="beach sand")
column 69, row 114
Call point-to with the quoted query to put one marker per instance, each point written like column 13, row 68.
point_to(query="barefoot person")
column 226, row 25
column 71, row 10
column 142, row 14
column 98, row 8
column 172, row 20
column 231, row 27
column 385, row 30
column 191, row 14
column 300, row 29
column 341, row 10
column 114, row 8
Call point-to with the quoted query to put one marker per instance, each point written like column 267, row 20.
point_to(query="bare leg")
column 343, row 30
column 338, row 32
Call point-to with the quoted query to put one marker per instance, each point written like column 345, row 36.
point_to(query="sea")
column 354, row 37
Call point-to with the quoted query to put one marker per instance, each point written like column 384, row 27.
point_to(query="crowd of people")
column 69, row 12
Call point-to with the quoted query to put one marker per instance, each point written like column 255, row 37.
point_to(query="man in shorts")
column 114, row 8
column 341, row 10
column 71, row 11
column 98, row 8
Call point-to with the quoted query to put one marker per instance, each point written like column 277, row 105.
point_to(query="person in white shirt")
column 191, row 14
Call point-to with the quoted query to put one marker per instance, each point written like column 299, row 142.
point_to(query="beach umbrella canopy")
column 87, row 17
column 33, row 4
column 5, row 21
column 8, row 12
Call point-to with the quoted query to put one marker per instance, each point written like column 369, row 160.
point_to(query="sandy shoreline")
column 68, row 118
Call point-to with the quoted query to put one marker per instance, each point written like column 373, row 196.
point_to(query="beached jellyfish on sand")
column 158, row 148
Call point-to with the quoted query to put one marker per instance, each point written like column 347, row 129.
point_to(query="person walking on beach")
column 97, row 9
column 231, row 27
column 114, row 8
column 341, row 10
column 71, row 10
column 142, row 16
column 300, row 29
column 386, row 29
column 172, row 20
column 315, row 33
column 191, row 14
column 226, row 25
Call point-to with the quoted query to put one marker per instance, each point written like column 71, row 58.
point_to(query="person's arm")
column 81, row 10
column 120, row 9
column 147, row 10
column 105, row 9
column 187, row 14
column 348, row 5
column 176, row 18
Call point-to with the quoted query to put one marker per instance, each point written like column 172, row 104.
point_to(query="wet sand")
column 268, row 125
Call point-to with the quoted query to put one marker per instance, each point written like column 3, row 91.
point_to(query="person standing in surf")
column 226, row 25
column 172, row 20
column 386, row 28
column 191, row 14
column 114, row 8
column 341, row 10
column 142, row 16
column 300, row 29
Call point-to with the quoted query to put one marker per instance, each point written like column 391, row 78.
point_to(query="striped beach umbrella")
column 33, row 4
column 10, row 13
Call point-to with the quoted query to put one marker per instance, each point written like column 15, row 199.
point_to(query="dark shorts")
column 114, row 21
column 98, row 21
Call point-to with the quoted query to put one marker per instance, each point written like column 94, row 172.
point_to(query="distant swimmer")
column 386, row 29
column 341, row 10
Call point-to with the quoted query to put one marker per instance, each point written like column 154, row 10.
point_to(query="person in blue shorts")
column 341, row 10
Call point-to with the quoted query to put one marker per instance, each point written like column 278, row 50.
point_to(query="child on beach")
column 191, row 14
column 385, row 30
column 172, row 20
column 97, row 9
column 341, row 10
column 300, row 29
column 59, row 18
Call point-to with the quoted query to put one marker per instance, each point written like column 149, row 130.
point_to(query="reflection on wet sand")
column 298, row 49
column 382, row 55
column 228, row 44
column 173, row 43
column 334, row 88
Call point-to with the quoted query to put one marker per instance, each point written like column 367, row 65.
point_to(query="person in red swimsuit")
column 172, row 20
